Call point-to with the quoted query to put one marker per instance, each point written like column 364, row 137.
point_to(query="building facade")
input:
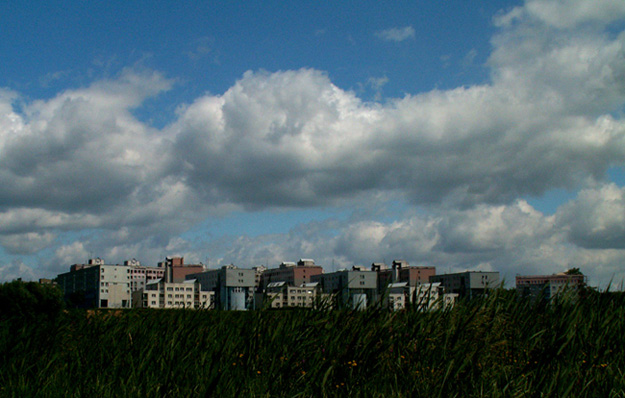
column 548, row 286
column 468, row 284
column 140, row 276
column 354, row 288
column 401, row 271
column 97, row 285
column 161, row 294
column 281, row 295
column 424, row 296
column 294, row 274
column 234, row 287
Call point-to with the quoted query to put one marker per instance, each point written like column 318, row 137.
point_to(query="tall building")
column 162, row 294
column 549, row 286
column 141, row 275
column 282, row 295
column 354, row 288
column 423, row 296
column 176, row 270
column 97, row 285
column 468, row 284
column 294, row 274
column 234, row 287
column 401, row 271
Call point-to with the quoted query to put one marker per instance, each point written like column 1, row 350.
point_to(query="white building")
column 233, row 287
column 424, row 296
column 97, row 285
column 161, row 294
column 354, row 288
column 281, row 295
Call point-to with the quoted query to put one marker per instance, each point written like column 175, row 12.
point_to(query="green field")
column 493, row 347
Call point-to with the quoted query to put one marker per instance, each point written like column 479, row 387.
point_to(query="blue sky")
column 482, row 135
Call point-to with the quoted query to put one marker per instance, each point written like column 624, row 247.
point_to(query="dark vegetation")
column 497, row 346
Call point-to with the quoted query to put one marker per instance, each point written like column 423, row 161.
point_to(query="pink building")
column 176, row 270
column 401, row 271
column 291, row 273
column 549, row 285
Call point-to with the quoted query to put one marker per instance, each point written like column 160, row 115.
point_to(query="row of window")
column 178, row 289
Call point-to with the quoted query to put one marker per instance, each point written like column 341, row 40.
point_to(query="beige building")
column 97, row 285
column 424, row 296
column 161, row 294
column 282, row 295
column 356, row 288
column 140, row 275
column 468, row 284
column 233, row 287
column 549, row 286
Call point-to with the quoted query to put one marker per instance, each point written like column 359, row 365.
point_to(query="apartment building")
column 549, row 286
column 294, row 274
column 423, row 296
column 282, row 295
column 162, row 294
column 175, row 270
column 234, row 287
column 401, row 271
column 468, row 284
column 355, row 288
column 97, row 285
column 141, row 275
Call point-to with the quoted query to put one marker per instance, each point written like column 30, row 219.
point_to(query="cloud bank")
column 463, row 159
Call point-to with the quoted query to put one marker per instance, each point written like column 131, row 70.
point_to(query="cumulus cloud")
column 566, row 13
column 397, row 34
column 294, row 139
column 26, row 243
column 512, row 239
column 549, row 117
column 596, row 218
column 17, row 269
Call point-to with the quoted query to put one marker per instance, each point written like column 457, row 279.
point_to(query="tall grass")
column 492, row 347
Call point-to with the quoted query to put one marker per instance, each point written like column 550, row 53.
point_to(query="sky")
column 462, row 135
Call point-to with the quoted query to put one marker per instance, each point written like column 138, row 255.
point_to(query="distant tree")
column 29, row 300
column 573, row 271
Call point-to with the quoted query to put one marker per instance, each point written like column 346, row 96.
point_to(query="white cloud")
column 26, row 243
column 550, row 117
column 596, row 219
column 17, row 269
column 565, row 14
column 397, row 34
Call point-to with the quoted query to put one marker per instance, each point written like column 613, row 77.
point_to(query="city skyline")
column 483, row 137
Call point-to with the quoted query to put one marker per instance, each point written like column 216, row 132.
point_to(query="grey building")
column 234, row 287
column 355, row 288
column 549, row 286
column 97, row 285
column 468, row 284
